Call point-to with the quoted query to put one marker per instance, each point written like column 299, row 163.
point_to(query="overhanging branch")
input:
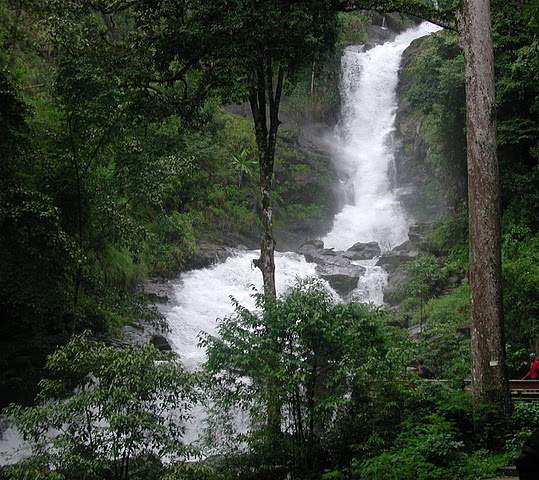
column 446, row 18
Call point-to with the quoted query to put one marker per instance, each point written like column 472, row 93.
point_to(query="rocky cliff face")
column 420, row 188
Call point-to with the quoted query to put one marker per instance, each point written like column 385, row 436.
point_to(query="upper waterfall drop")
column 364, row 149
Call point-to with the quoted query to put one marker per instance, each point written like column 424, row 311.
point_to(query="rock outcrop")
column 209, row 253
column 333, row 266
column 139, row 333
column 420, row 188
column 363, row 251
column 160, row 342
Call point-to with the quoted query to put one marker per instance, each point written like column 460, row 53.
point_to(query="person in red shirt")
column 533, row 374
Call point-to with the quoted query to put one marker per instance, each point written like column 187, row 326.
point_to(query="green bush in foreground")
column 107, row 413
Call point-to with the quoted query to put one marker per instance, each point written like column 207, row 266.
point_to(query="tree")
column 300, row 365
column 245, row 51
column 489, row 370
column 106, row 412
column 104, row 162
column 276, row 41
column 472, row 21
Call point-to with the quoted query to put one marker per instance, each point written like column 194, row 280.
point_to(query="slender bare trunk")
column 266, row 262
column 489, row 374
column 264, row 101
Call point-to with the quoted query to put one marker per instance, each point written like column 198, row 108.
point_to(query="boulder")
column 135, row 334
column 393, row 293
column 160, row 342
column 363, row 251
column 208, row 254
column 158, row 290
column 332, row 266
column 343, row 279
column 342, row 284
column 326, row 257
column 156, row 298
column 406, row 248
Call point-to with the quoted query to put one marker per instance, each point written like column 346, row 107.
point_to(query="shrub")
column 107, row 412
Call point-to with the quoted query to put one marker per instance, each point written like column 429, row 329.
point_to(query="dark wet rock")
column 312, row 245
column 390, row 262
column 156, row 298
column 134, row 334
column 333, row 266
column 325, row 256
column 343, row 279
column 160, row 342
column 139, row 334
column 209, row 254
column 406, row 248
column 158, row 290
column 342, row 284
column 363, row 251
column 394, row 291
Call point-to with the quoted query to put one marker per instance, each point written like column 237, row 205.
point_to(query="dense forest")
column 145, row 138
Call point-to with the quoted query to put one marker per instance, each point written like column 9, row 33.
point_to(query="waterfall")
column 363, row 148
column 364, row 151
column 364, row 144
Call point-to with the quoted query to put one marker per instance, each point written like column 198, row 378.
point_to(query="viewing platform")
column 525, row 390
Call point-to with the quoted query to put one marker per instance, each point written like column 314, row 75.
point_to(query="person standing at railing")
column 425, row 372
column 533, row 374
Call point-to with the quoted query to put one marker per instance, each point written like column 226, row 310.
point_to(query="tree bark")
column 489, row 373
column 265, row 100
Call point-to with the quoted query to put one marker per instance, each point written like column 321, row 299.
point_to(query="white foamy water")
column 364, row 144
column 202, row 296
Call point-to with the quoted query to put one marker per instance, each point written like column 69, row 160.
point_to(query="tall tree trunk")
column 489, row 373
column 265, row 100
column 266, row 262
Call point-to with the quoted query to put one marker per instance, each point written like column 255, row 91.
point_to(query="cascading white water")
column 202, row 296
column 363, row 150
column 364, row 144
